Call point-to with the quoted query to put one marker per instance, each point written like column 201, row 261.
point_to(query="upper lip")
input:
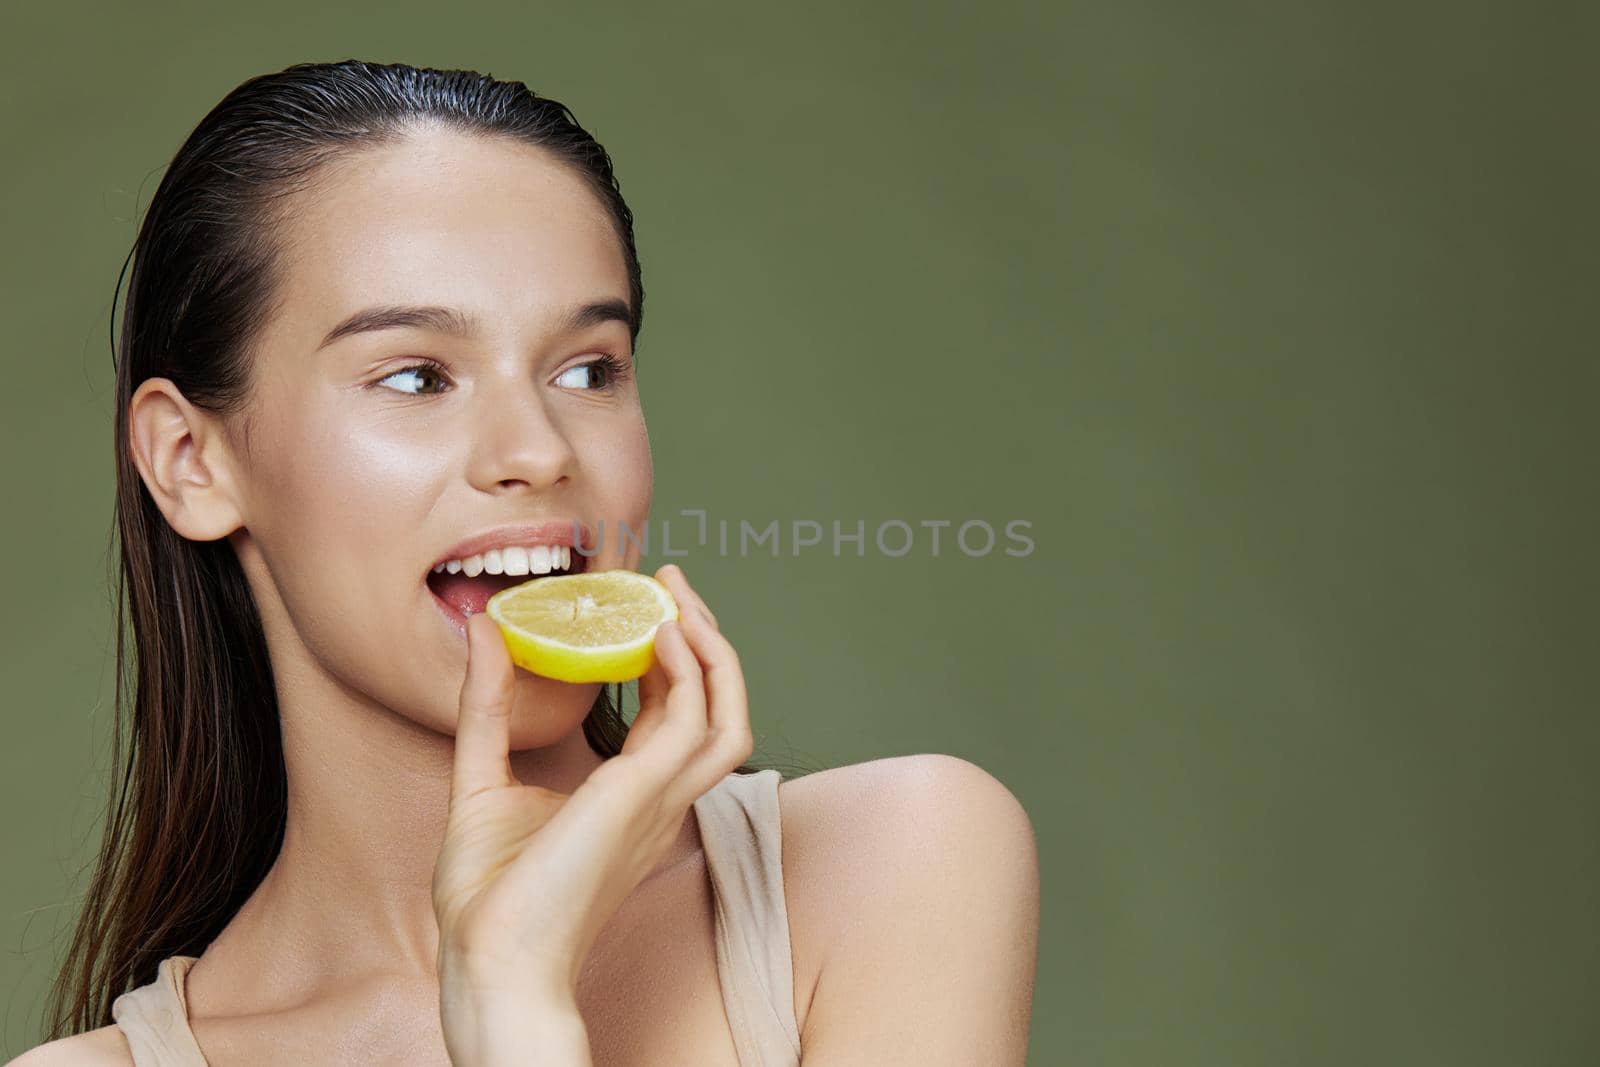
column 549, row 532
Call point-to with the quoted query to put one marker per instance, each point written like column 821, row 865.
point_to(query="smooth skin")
column 911, row 882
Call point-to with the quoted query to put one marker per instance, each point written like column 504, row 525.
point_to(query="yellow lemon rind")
column 553, row 658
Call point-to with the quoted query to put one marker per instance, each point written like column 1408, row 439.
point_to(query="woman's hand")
column 528, row 876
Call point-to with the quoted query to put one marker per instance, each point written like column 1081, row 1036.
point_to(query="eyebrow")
column 457, row 323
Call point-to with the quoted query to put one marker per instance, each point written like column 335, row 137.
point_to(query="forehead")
column 494, row 226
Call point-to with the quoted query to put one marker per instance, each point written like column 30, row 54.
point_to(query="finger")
column 728, row 728
column 653, row 687
column 671, row 575
column 483, row 724
column 652, row 700
column 729, row 738
column 653, row 683
column 678, row 584
column 683, row 723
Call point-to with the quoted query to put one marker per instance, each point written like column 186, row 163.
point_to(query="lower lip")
column 454, row 617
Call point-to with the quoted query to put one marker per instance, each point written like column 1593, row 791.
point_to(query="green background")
column 1268, row 317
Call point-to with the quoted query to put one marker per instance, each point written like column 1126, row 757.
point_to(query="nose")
column 517, row 445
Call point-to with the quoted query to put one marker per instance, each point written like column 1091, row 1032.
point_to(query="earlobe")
column 180, row 453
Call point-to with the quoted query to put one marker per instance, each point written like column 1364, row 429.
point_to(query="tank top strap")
column 155, row 1018
column 740, row 833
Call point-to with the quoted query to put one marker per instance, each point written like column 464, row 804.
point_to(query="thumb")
column 483, row 725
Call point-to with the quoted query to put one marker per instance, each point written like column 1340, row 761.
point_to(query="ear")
column 182, row 455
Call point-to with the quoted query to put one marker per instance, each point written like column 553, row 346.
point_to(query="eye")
column 420, row 374
column 599, row 374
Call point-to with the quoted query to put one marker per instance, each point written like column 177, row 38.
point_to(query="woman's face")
column 362, row 469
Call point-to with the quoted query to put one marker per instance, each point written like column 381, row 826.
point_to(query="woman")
column 381, row 318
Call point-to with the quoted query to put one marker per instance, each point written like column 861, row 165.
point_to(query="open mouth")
column 463, row 587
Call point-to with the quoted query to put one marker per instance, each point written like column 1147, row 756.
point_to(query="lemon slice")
column 596, row 626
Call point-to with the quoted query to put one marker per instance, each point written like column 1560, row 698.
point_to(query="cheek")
column 336, row 510
column 622, row 480
column 392, row 470
column 357, row 484
column 344, row 513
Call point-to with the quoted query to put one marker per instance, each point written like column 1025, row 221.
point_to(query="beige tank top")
column 739, row 829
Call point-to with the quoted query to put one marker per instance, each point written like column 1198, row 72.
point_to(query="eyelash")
column 615, row 369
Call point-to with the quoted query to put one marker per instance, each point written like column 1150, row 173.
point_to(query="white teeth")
column 515, row 559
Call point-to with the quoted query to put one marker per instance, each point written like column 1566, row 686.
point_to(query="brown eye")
column 597, row 375
column 426, row 378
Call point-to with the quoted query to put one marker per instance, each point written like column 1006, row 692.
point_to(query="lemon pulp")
column 597, row 626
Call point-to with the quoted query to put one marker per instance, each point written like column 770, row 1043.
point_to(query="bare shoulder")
column 900, row 787
column 862, row 824
column 921, row 869
column 105, row 1047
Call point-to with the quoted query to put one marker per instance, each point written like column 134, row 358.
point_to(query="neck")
column 350, row 893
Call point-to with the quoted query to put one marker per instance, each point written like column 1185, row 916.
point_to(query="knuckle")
column 493, row 708
column 731, row 738
column 690, row 684
column 728, row 673
column 485, row 692
column 739, row 746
